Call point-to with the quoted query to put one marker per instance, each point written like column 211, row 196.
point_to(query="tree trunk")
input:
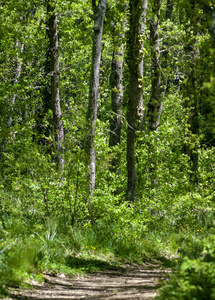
column 116, row 97
column 116, row 78
column 99, row 14
column 191, row 93
column 169, row 9
column 140, row 106
column 135, row 106
column 165, row 54
column 192, row 105
column 13, row 100
column 210, row 14
column 18, row 73
column 116, row 84
column 155, row 104
column 55, row 74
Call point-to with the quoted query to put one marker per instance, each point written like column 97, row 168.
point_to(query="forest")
column 107, row 138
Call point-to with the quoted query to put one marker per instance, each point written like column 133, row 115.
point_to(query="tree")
column 155, row 104
column 135, row 97
column 208, row 8
column 118, row 22
column 13, row 63
column 15, row 81
column 191, row 88
column 116, row 84
column 54, row 74
column 165, row 48
column 99, row 14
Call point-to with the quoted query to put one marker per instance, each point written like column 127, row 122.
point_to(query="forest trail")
column 131, row 282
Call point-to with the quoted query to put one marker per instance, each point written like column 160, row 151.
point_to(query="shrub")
column 195, row 278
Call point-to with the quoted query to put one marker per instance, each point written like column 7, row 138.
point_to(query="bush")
column 195, row 278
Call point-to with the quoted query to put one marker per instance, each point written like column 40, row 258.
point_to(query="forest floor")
column 128, row 282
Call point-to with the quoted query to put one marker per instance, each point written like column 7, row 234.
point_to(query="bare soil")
column 130, row 282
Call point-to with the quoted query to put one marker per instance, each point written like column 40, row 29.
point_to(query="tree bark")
column 210, row 14
column 140, row 106
column 99, row 14
column 135, row 97
column 165, row 54
column 191, row 93
column 116, row 97
column 193, row 111
column 169, row 9
column 155, row 104
column 55, row 76
column 13, row 100
column 116, row 78
column 116, row 84
column 18, row 74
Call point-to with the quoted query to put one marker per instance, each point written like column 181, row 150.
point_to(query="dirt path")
column 136, row 282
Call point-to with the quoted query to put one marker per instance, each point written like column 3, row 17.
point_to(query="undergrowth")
column 48, row 246
column 76, row 250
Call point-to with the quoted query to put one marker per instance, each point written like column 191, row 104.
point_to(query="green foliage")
column 46, row 223
column 195, row 278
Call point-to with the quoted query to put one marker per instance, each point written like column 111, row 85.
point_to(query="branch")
column 121, row 116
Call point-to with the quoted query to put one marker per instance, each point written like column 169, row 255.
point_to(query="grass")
column 80, row 250
column 49, row 248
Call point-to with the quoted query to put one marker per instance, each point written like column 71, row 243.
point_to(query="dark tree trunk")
column 193, row 111
column 169, row 9
column 116, row 78
column 191, row 94
column 116, row 85
column 55, row 74
column 165, row 54
column 116, row 98
column 210, row 14
column 135, row 106
column 99, row 14
column 155, row 104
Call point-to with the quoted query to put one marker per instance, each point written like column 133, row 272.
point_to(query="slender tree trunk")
column 191, row 93
column 140, row 106
column 116, row 78
column 116, row 97
column 193, row 110
column 116, row 84
column 55, row 75
column 135, row 109
column 18, row 74
column 210, row 14
column 155, row 104
column 13, row 100
column 164, row 56
column 99, row 14
column 169, row 9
